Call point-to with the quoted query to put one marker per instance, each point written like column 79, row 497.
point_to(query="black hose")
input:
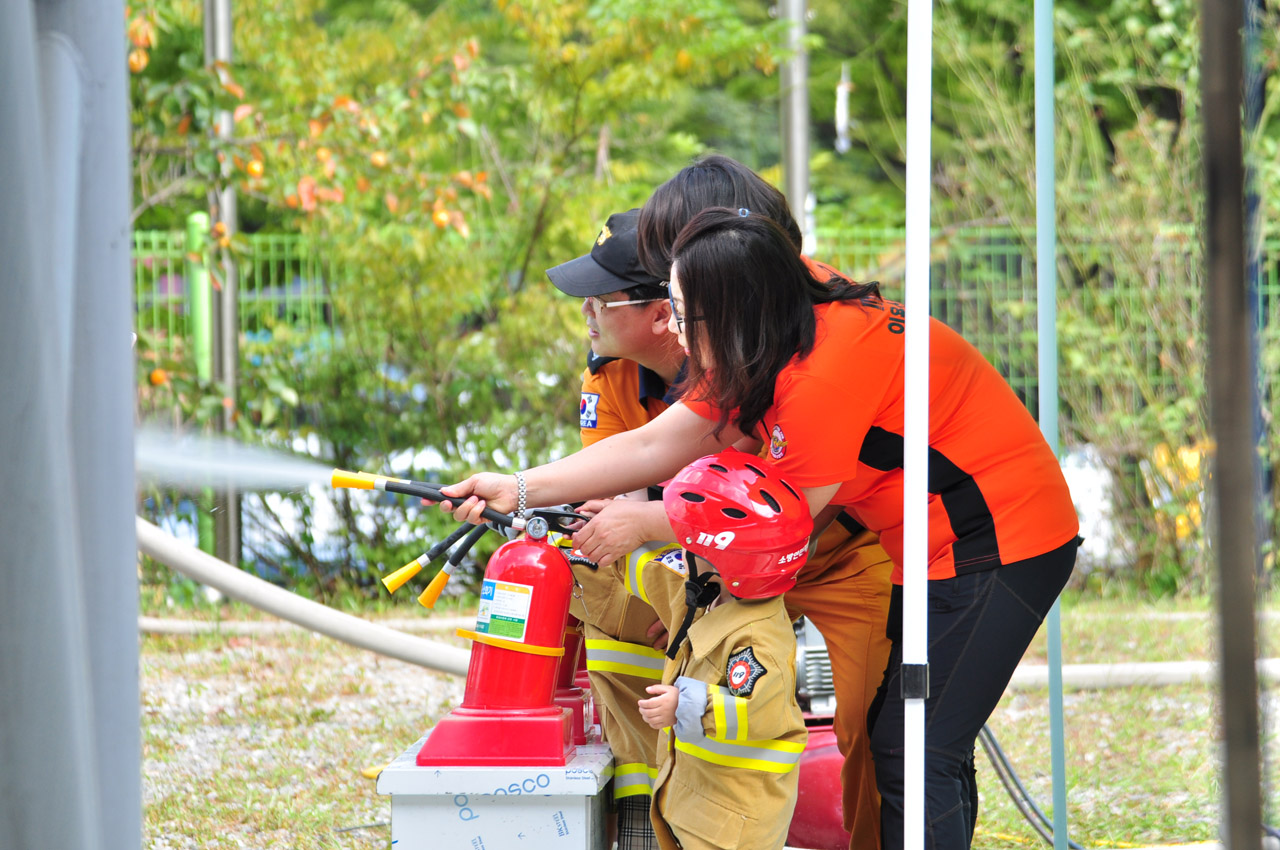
column 443, row 546
column 1017, row 792
column 431, row 492
column 465, row 546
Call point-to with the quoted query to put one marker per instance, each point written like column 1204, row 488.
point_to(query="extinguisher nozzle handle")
column 397, row 579
column 429, row 597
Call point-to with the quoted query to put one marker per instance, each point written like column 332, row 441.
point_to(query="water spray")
column 200, row 461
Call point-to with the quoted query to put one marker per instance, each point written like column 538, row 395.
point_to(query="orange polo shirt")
column 618, row 395
column 996, row 492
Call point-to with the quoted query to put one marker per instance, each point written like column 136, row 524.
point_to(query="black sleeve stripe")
column 976, row 547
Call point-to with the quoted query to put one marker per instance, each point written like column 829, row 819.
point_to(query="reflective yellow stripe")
column 630, row 659
column 635, row 582
column 730, row 715
column 636, row 562
column 633, row 780
column 768, row 756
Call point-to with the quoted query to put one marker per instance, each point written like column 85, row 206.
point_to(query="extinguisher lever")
column 560, row 519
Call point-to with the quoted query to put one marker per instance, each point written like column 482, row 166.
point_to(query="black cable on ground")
column 1016, row 790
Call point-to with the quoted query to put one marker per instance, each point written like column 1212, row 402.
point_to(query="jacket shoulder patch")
column 742, row 672
column 587, row 416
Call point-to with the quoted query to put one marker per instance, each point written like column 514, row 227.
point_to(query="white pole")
column 915, row 633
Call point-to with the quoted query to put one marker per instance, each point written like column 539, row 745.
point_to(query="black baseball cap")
column 612, row 265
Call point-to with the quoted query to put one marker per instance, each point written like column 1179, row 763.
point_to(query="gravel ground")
column 257, row 738
column 261, row 740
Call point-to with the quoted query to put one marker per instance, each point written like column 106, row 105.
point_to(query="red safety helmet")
column 736, row 511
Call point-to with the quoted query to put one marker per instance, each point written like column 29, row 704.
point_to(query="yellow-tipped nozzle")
column 355, row 480
column 429, row 597
column 397, row 579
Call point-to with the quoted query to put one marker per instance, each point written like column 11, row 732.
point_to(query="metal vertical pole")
column 915, row 590
column 795, row 118
column 218, row 33
column 1231, row 414
column 1047, row 370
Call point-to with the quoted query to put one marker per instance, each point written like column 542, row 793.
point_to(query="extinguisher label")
column 504, row 609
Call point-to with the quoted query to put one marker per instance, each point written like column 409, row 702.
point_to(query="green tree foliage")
column 446, row 154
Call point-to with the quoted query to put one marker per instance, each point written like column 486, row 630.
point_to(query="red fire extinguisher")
column 508, row 715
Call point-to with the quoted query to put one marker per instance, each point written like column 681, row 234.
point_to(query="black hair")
column 712, row 181
column 750, row 296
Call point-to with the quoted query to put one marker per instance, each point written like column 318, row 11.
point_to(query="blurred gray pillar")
column 69, row 719
column 219, row 47
column 1232, row 404
column 795, row 117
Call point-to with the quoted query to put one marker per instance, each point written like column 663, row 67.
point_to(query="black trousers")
column 980, row 624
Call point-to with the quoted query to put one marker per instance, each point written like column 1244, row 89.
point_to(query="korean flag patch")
column 742, row 672
column 587, row 410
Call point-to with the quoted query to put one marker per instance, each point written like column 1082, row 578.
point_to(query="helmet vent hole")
column 790, row 489
column 773, row 503
column 693, row 497
column 734, row 513
column 718, row 468
column 757, row 470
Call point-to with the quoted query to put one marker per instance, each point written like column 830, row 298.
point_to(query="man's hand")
column 659, row 710
column 617, row 528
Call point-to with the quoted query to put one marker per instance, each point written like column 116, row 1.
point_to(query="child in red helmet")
column 733, row 732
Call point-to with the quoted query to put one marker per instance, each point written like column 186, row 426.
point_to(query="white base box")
column 496, row 808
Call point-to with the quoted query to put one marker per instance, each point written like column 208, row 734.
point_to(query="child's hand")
column 659, row 711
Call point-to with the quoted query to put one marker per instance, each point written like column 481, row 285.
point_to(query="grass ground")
column 259, row 740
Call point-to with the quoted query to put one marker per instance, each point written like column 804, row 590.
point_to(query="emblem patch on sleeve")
column 587, row 410
column 742, row 672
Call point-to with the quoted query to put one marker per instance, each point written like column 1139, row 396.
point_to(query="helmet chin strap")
column 698, row 593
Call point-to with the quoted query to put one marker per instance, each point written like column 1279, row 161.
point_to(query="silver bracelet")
column 521, row 494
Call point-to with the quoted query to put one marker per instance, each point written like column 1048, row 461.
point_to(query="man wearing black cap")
column 634, row 359
column 633, row 363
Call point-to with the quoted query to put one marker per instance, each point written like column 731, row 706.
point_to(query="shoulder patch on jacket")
column 742, row 672
column 587, row 415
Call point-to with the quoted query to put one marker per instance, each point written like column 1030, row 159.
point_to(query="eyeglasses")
column 675, row 314
column 598, row 304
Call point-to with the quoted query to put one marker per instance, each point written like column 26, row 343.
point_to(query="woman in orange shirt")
column 815, row 368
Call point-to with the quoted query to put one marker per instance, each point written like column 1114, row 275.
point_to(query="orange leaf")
column 315, row 127
column 461, row 61
column 184, row 125
column 330, row 167
column 459, row 223
column 307, row 193
column 330, row 196
column 242, row 112
column 473, row 47
column 461, row 110
column 235, row 89
column 392, row 202
column 464, row 178
column 142, row 33
column 363, row 184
